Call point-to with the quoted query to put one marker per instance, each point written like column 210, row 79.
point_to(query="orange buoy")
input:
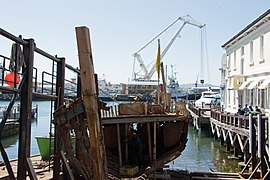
column 10, row 78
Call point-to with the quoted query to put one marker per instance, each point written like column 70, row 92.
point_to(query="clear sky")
column 119, row 28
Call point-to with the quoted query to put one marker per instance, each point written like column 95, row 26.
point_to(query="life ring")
column 10, row 77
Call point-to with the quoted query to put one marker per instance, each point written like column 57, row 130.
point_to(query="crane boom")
column 186, row 20
column 152, row 70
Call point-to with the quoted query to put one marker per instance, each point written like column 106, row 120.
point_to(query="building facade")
column 245, row 67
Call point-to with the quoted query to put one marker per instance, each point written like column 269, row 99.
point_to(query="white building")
column 246, row 66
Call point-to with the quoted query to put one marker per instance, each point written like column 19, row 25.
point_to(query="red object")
column 10, row 78
column 161, row 87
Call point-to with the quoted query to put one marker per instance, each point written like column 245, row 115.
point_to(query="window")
column 261, row 98
column 234, row 97
column 251, row 53
column 261, row 48
column 234, row 60
column 251, row 100
column 242, row 51
column 229, row 62
column 267, row 98
column 242, row 66
column 229, row 97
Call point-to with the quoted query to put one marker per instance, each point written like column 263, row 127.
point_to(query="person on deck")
column 257, row 109
column 246, row 109
column 250, row 108
column 240, row 110
column 135, row 149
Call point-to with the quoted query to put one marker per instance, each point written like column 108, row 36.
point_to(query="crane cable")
column 206, row 55
column 202, row 57
column 157, row 35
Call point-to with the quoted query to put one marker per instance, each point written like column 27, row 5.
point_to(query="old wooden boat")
column 162, row 137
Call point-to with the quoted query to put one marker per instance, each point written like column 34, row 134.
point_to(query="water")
column 40, row 127
column 202, row 152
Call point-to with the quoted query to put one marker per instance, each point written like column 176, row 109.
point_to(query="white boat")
column 174, row 88
column 104, row 90
column 207, row 98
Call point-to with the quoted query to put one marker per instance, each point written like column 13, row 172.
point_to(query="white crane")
column 149, row 73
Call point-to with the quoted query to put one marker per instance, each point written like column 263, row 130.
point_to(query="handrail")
column 36, row 49
column 29, row 48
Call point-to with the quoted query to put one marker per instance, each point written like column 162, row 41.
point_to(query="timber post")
column 165, row 98
column 261, row 144
column 99, row 162
column 252, row 141
column 79, row 87
column 60, row 82
column 26, row 110
column 269, row 134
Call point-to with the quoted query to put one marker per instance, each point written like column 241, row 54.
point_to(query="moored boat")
column 163, row 137
column 160, row 136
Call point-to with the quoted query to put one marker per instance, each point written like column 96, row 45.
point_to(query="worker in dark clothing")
column 251, row 108
column 257, row 109
column 246, row 109
column 240, row 110
column 135, row 149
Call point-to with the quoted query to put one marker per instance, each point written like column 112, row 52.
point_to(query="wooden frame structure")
column 239, row 132
column 27, row 89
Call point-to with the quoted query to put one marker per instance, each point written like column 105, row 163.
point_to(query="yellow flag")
column 158, row 60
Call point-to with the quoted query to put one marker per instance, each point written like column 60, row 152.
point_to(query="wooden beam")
column 31, row 171
column 66, row 165
column 240, row 142
column 119, row 145
column 252, row 141
column 90, row 99
column 60, row 78
column 126, row 142
column 149, row 142
column 224, row 134
column 137, row 119
column 231, row 137
column 218, row 132
column 155, row 149
column 164, row 87
column 261, row 144
column 26, row 110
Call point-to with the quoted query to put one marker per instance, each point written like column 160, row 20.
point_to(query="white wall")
column 253, row 70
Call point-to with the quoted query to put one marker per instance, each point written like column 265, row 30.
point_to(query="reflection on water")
column 40, row 127
column 10, row 141
column 203, row 153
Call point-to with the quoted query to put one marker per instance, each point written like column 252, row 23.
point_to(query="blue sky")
column 119, row 28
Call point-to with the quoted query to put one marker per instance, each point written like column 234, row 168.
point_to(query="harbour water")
column 202, row 152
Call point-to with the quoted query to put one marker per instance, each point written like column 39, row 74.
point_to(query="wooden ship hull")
column 163, row 137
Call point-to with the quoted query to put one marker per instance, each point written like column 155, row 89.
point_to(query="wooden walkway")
column 41, row 168
column 248, row 136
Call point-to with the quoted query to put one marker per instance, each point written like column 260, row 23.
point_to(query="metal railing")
column 27, row 88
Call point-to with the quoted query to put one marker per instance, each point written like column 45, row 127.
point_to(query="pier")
column 246, row 135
